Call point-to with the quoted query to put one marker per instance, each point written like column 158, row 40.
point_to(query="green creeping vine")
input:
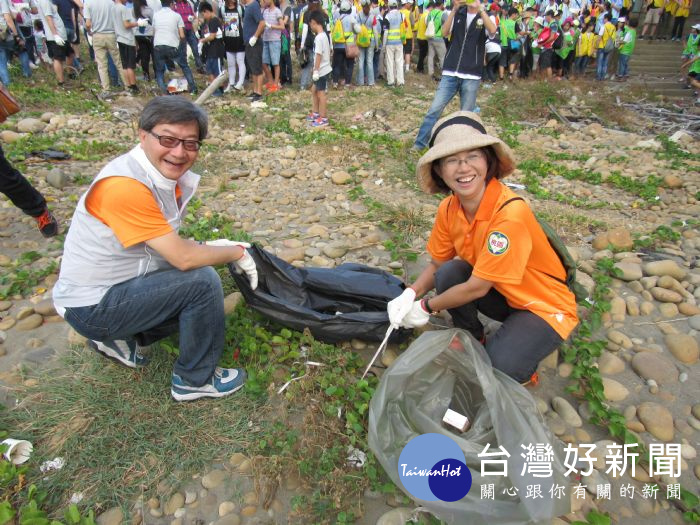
column 582, row 351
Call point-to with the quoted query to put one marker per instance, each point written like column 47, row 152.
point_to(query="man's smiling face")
column 172, row 163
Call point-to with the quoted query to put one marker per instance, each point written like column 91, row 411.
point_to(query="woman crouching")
column 489, row 253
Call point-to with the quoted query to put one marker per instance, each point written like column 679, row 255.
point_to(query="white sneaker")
column 238, row 87
column 33, row 65
column 228, row 88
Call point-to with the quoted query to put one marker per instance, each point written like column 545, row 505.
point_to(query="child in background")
column 212, row 43
column 628, row 41
column 321, row 71
column 40, row 41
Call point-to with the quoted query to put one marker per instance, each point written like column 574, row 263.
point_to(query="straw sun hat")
column 457, row 132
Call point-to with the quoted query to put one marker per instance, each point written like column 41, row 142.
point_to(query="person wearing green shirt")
column 511, row 45
column 693, row 65
column 629, row 39
column 691, row 45
column 565, row 53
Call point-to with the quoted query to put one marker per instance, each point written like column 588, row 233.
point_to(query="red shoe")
column 47, row 223
column 533, row 381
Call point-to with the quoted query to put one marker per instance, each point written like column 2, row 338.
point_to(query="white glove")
column 315, row 76
column 252, row 41
column 535, row 44
column 59, row 41
column 400, row 306
column 357, row 28
column 89, row 39
column 416, row 316
column 267, row 25
column 190, row 18
column 246, row 265
column 142, row 22
column 226, row 242
column 21, row 7
column 219, row 33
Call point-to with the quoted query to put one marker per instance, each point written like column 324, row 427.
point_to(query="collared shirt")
column 508, row 248
column 165, row 28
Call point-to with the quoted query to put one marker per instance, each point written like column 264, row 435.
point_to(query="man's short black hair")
column 166, row 3
column 513, row 11
column 633, row 22
column 205, row 6
column 607, row 17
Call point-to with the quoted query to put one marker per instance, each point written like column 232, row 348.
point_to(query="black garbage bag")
column 336, row 304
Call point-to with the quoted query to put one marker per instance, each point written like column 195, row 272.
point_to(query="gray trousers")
column 436, row 48
column 522, row 341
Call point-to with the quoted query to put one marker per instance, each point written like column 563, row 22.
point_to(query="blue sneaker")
column 223, row 382
column 122, row 351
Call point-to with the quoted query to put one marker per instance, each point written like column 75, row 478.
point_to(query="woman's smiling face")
column 464, row 173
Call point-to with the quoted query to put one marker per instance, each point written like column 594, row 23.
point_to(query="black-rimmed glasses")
column 173, row 142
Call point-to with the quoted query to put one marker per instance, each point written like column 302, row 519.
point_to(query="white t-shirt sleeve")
column 602, row 30
column 628, row 37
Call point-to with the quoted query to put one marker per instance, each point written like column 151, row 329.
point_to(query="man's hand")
column 400, row 306
column 59, row 41
column 416, row 316
column 142, row 22
column 253, row 40
column 315, row 75
column 246, row 265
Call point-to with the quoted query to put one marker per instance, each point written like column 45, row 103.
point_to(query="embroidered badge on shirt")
column 497, row 243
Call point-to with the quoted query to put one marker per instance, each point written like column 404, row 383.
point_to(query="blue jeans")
column 623, row 64
column 306, row 73
column 163, row 55
column 522, row 341
column 149, row 308
column 191, row 40
column 365, row 63
column 447, row 88
column 6, row 51
column 375, row 62
column 580, row 65
column 602, row 59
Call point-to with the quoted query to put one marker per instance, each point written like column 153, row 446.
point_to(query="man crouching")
column 128, row 279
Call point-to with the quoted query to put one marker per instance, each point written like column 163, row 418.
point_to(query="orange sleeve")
column 440, row 245
column 129, row 208
column 504, row 255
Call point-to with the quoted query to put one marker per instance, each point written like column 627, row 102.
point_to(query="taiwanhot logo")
column 431, row 468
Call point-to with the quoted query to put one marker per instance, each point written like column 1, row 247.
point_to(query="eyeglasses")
column 173, row 142
column 454, row 162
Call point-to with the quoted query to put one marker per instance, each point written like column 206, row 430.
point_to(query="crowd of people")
column 264, row 41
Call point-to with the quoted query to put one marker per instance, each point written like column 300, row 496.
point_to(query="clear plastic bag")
column 448, row 368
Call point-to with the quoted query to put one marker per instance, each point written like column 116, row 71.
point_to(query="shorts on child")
column 127, row 54
column 214, row 66
column 58, row 52
column 408, row 46
column 322, row 83
column 271, row 52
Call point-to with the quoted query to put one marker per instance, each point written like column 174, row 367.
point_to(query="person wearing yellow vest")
column 511, row 45
column 654, row 9
column 408, row 22
column 682, row 12
column 584, row 49
column 346, row 25
column 605, row 35
column 436, row 43
column 394, row 46
column 422, row 40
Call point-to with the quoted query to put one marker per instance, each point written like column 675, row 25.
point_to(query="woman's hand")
column 400, row 306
